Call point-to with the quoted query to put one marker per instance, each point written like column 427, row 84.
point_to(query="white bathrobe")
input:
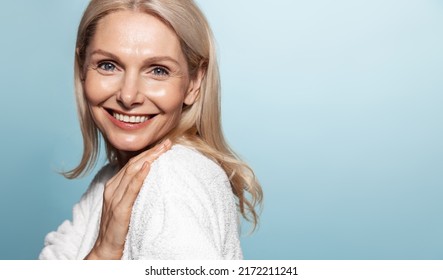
column 185, row 210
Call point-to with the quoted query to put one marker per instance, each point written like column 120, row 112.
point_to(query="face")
column 136, row 80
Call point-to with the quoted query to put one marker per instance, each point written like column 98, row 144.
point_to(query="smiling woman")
column 147, row 83
column 135, row 68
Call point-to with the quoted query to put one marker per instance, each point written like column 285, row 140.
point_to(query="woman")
column 147, row 81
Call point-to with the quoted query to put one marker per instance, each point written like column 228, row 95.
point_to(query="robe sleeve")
column 185, row 210
column 65, row 242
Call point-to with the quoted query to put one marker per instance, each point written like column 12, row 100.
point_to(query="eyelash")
column 164, row 71
column 102, row 64
column 159, row 71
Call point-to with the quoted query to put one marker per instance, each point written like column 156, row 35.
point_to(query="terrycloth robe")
column 185, row 210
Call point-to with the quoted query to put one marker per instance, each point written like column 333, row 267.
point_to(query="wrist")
column 92, row 256
column 97, row 254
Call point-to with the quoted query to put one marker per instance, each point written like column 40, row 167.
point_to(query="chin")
column 129, row 147
column 135, row 144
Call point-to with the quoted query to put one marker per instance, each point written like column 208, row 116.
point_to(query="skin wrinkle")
column 150, row 60
column 140, row 90
column 128, row 84
column 172, row 65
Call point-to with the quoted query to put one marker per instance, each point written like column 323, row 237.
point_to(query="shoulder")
column 185, row 210
column 188, row 161
column 183, row 175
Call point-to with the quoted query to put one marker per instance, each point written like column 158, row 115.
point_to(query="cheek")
column 97, row 91
column 168, row 97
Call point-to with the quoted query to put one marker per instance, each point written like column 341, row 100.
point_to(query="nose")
column 129, row 94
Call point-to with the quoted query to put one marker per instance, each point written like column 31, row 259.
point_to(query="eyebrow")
column 150, row 60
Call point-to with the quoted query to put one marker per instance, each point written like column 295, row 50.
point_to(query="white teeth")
column 130, row 119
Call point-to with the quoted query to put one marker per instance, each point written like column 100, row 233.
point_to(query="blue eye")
column 106, row 66
column 160, row 71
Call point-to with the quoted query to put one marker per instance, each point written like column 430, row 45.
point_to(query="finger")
column 135, row 182
column 150, row 155
column 113, row 184
column 134, row 186
column 136, row 159
column 117, row 185
column 140, row 157
column 154, row 154
column 118, row 176
column 135, row 164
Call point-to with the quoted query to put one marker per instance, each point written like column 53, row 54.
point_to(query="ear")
column 194, row 87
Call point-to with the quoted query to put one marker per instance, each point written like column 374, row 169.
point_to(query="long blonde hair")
column 200, row 123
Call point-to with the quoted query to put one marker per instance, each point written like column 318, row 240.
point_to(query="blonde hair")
column 200, row 123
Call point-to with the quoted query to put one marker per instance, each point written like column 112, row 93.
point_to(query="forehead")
column 135, row 33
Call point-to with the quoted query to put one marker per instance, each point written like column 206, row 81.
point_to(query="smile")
column 130, row 119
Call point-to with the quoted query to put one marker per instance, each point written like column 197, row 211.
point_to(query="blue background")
column 337, row 105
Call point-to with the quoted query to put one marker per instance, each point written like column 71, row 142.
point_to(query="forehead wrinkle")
column 140, row 39
column 150, row 60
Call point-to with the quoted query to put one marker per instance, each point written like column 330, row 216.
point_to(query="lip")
column 125, row 125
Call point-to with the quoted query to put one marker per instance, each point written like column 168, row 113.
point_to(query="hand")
column 118, row 199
